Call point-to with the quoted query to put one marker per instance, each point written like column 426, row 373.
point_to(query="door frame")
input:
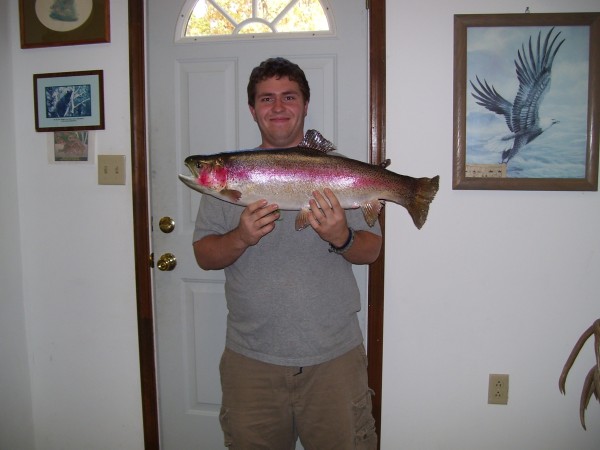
column 142, row 225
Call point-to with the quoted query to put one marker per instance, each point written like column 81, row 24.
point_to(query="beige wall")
column 76, row 245
column 16, row 420
column 495, row 282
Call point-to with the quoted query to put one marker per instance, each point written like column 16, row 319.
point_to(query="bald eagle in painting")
column 533, row 69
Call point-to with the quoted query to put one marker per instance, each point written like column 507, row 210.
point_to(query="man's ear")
column 252, row 111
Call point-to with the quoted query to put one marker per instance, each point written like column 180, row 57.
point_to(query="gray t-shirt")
column 291, row 302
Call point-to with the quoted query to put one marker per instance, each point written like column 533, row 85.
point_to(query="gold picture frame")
column 52, row 23
column 503, row 65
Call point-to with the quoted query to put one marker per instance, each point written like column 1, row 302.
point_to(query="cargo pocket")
column 365, row 433
column 225, row 426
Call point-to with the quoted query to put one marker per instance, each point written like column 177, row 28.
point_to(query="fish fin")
column 313, row 140
column 418, row 206
column 302, row 219
column 231, row 194
column 371, row 210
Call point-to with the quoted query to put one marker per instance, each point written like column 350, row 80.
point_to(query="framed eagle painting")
column 526, row 101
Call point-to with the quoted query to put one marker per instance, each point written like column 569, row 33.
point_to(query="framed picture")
column 71, row 147
column 51, row 23
column 69, row 101
column 526, row 99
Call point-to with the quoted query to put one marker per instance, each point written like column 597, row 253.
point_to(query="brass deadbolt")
column 166, row 224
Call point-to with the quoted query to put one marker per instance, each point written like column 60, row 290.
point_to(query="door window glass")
column 201, row 19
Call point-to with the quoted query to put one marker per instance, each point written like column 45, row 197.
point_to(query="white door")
column 197, row 104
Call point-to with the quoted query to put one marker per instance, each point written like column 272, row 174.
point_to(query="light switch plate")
column 111, row 169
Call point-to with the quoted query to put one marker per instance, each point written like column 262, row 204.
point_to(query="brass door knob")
column 166, row 262
column 166, row 224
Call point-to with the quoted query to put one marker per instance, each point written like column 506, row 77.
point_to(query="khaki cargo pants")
column 268, row 407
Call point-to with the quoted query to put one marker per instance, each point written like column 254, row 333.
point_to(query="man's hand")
column 257, row 220
column 328, row 218
column 217, row 251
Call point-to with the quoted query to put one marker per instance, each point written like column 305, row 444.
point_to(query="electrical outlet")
column 111, row 169
column 498, row 389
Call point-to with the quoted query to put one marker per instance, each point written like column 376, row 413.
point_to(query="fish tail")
column 424, row 193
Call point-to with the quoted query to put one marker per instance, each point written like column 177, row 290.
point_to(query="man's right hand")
column 257, row 220
column 217, row 251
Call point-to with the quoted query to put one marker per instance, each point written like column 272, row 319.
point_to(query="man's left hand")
column 328, row 218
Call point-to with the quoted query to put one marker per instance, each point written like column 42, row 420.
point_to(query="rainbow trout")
column 288, row 177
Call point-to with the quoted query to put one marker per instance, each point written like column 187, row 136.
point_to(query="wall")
column 76, row 242
column 16, row 419
column 495, row 282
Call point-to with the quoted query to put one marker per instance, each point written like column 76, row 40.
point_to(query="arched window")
column 206, row 19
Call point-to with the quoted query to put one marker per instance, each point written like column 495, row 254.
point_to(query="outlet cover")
column 498, row 389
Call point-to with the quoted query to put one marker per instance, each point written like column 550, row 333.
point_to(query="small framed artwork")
column 71, row 147
column 69, row 101
column 526, row 100
column 51, row 23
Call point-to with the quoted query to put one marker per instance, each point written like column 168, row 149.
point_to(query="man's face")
column 279, row 110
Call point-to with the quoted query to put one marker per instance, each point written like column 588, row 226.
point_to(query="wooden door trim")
column 141, row 223
column 141, row 213
column 377, row 70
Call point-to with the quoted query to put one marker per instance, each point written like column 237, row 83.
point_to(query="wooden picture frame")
column 501, row 63
column 52, row 23
column 69, row 101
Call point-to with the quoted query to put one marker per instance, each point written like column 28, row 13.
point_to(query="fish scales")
column 288, row 177
column 293, row 175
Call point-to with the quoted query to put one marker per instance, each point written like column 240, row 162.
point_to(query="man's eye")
column 266, row 99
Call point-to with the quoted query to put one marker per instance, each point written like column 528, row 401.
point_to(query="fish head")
column 209, row 173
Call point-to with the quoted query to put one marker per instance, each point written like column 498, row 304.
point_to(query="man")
column 294, row 364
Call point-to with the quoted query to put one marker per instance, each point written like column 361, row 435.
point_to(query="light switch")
column 111, row 169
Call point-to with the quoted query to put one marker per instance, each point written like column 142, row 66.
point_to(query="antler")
column 591, row 384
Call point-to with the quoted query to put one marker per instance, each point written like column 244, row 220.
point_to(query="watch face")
column 63, row 15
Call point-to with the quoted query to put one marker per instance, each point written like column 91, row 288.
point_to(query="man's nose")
column 277, row 104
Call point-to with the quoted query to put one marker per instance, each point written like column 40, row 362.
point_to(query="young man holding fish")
column 294, row 364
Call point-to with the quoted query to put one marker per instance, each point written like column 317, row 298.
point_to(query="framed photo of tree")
column 526, row 101
column 69, row 101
